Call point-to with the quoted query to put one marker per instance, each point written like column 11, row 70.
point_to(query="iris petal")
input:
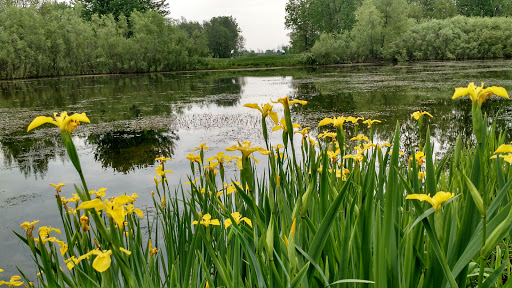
column 40, row 120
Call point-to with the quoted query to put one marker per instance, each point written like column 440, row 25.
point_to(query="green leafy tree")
column 394, row 23
column 489, row 8
column 223, row 36
column 197, row 34
column 300, row 21
column 121, row 7
column 309, row 18
column 368, row 31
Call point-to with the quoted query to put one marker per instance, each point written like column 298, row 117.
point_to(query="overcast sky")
column 261, row 21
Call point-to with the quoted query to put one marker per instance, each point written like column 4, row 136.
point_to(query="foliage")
column 53, row 40
column 119, row 8
column 327, row 49
column 224, row 36
column 457, row 38
column 299, row 20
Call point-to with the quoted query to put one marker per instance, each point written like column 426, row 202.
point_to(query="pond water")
column 136, row 118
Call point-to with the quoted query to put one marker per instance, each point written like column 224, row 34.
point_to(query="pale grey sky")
column 261, row 21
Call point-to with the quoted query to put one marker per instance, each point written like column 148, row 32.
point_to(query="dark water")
column 136, row 118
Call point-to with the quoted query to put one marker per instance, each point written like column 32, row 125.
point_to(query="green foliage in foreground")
column 457, row 38
column 323, row 214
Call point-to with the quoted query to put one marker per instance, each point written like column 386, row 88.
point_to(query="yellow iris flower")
column 220, row 157
column 13, row 282
column 354, row 120
column 211, row 166
column 326, row 134
column 131, row 209
column 247, row 150
column 333, row 155
column 201, row 147
column 283, row 126
column 336, row 121
column 238, row 218
column 44, row 231
column 239, row 162
column 360, row 137
column 162, row 159
column 193, row 158
column 370, row 122
column 207, row 220
column 277, row 147
column 303, row 132
column 114, row 208
column 383, row 145
column 160, row 171
column 265, row 109
column 506, row 158
column 57, row 186
column 435, row 201
column 29, row 226
column 83, row 223
column 420, row 158
column 152, row 251
column 101, row 263
column 64, row 121
column 504, row 148
column 478, row 94
column 100, row 192
column 357, row 158
column 287, row 103
column 416, row 115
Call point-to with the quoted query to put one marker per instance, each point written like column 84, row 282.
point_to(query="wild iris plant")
column 334, row 213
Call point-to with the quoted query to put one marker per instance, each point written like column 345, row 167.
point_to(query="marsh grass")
column 319, row 216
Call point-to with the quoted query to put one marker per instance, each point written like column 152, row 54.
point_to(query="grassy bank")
column 264, row 61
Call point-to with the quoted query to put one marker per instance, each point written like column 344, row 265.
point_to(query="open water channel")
column 136, row 118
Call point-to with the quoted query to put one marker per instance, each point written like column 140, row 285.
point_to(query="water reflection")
column 124, row 151
column 31, row 155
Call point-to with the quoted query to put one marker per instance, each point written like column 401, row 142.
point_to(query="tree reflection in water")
column 31, row 154
column 125, row 150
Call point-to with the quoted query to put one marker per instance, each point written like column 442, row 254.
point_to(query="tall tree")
column 299, row 19
column 223, row 35
column 367, row 32
column 121, row 7
column 394, row 20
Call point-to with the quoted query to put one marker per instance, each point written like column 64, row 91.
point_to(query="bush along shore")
column 340, row 210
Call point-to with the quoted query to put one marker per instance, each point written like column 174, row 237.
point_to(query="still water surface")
column 136, row 118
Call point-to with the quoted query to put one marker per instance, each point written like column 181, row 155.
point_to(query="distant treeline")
column 458, row 38
column 40, row 38
column 335, row 31
column 53, row 39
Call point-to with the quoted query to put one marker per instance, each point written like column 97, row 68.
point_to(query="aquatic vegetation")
column 340, row 211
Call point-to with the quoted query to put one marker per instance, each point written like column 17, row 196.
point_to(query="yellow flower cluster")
column 207, row 220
